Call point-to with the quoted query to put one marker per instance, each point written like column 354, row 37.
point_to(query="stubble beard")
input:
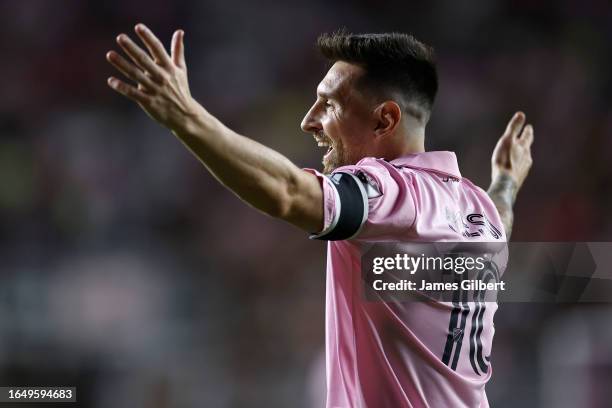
column 334, row 159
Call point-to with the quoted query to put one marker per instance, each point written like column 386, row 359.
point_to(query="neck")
column 411, row 143
column 414, row 144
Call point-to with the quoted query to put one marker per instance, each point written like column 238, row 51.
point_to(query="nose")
column 311, row 122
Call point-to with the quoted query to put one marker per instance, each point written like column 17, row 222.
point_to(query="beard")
column 334, row 158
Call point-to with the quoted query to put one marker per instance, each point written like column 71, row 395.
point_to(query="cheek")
column 338, row 126
column 354, row 136
column 348, row 132
column 331, row 123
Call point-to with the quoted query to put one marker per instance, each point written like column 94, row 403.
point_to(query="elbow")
column 282, row 202
column 281, row 207
column 299, row 201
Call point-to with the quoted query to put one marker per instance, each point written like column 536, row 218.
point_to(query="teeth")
column 321, row 141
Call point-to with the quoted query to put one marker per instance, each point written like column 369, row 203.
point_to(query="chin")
column 331, row 164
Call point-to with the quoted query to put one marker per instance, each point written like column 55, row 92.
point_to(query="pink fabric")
column 329, row 205
column 390, row 354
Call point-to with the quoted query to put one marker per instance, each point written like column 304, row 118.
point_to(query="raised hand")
column 510, row 165
column 512, row 154
column 162, row 89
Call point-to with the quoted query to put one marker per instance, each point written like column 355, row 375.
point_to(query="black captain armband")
column 351, row 208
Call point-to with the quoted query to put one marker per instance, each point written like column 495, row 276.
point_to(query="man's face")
column 341, row 118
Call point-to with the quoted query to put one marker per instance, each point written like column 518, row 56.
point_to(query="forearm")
column 260, row 176
column 503, row 191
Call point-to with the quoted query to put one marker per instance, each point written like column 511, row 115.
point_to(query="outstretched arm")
column 510, row 164
column 260, row 176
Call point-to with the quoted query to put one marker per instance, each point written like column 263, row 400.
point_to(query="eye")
column 328, row 105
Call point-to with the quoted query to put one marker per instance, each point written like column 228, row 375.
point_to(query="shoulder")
column 377, row 175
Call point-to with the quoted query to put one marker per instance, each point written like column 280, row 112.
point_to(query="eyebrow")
column 327, row 94
column 323, row 94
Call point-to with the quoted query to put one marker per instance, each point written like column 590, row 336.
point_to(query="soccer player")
column 378, row 185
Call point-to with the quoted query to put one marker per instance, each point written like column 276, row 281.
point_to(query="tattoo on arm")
column 503, row 193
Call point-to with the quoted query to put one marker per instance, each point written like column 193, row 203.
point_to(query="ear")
column 387, row 115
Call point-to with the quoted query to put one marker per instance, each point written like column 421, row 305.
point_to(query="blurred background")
column 127, row 271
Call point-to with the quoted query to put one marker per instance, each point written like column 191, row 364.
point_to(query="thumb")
column 178, row 48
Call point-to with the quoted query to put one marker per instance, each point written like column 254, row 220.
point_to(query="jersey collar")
column 441, row 162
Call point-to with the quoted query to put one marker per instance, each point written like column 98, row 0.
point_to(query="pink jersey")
column 403, row 354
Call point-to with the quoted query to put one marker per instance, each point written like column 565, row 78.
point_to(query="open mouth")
column 324, row 141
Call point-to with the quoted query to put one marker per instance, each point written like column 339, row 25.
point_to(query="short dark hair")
column 394, row 63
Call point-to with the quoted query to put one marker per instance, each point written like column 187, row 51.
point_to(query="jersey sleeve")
column 365, row 201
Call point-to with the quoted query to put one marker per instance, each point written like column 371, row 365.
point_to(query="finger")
column 127, row 90
column 515, row 125
column 139, row 56
column 527, row 136
column 129, row 70
column 155, row 47
column 178, row 48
